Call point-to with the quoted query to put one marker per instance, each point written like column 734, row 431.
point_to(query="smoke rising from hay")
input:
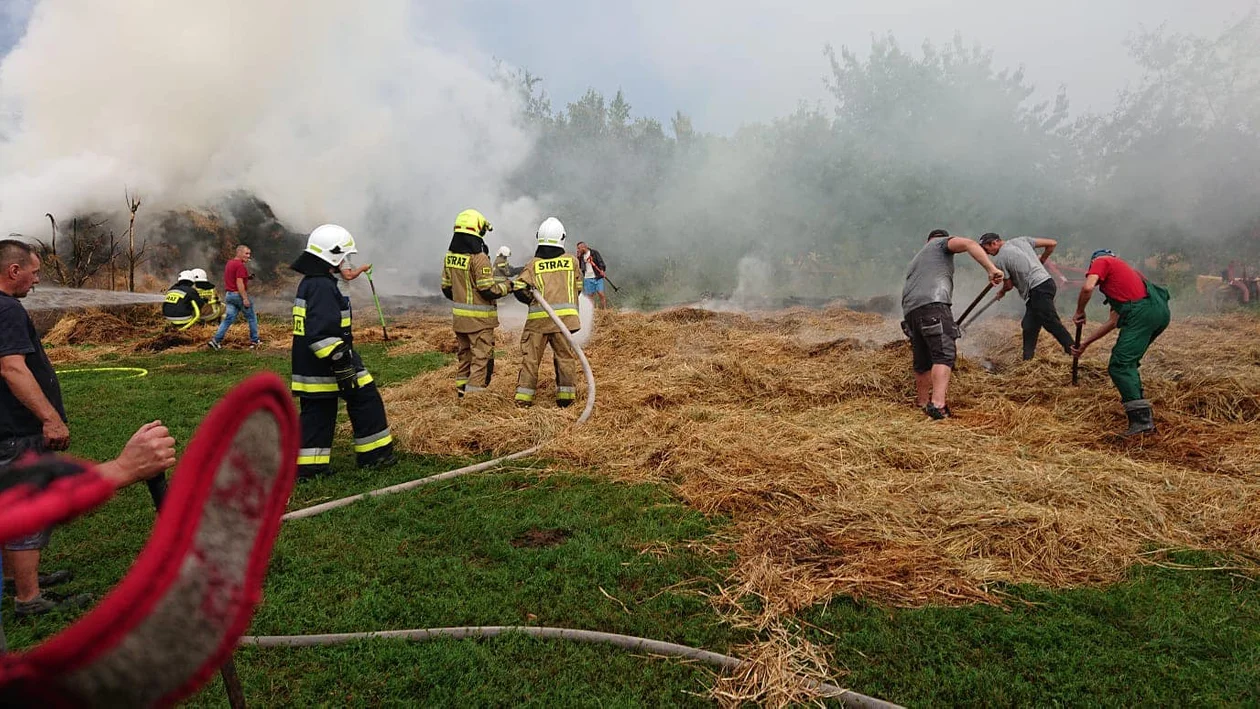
column 325, row 110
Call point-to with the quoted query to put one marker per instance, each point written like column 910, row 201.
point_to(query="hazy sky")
column 731, row 61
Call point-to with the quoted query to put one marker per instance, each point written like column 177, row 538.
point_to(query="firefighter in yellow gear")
column 557, row 277
column 212, row 310
column 182, row 305
column 468, row 281
column 503, row 267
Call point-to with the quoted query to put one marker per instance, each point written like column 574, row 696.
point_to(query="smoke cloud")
column 323, row 109
column 390, row 121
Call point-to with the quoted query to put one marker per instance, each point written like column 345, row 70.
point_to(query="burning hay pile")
column 800, row 427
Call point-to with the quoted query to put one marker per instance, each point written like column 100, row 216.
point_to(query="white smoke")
column 329, row 111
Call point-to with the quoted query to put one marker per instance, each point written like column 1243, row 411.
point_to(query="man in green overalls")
column 1140, row 309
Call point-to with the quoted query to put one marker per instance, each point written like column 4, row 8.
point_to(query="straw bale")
column 91, row 326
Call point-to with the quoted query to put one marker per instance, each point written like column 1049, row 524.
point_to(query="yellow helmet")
column 470, row 221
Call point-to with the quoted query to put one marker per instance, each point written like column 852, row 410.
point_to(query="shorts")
column 932, row 332
column 591, row 286
column 10, row 450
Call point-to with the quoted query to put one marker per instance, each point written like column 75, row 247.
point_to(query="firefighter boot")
column 1141, row 419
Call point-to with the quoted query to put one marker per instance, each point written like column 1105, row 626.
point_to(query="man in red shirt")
column 236, row 283
column 1140, row 309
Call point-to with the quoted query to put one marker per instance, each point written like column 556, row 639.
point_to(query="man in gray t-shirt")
column 929, row 322
column 1026, row 272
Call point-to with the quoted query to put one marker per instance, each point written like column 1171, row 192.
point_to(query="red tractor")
column 1237, row 285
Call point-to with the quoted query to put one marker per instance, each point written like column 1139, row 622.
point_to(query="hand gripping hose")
column 489, row 464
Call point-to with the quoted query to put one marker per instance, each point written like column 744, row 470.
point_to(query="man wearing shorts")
column 593, row 273
column 926, row 302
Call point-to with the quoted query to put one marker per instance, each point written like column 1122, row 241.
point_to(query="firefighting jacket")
column 212, row 305
column 182, row 304
column 469, row 281
column 558, row 278
column 322, row 324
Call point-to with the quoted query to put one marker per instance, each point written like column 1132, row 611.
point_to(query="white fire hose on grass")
column 655, row 647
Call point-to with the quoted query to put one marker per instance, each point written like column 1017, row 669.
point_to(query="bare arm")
column 1100, row 333
column 352, row 273
column 959, row 244
column 1007, row 286
column 150, row 451
column 1087, row 292
column 1047, row 244
column 23, row 385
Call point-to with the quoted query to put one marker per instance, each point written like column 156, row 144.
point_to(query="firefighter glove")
column 344, row 370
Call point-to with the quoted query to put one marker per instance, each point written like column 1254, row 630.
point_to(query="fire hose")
column 848, row 698
column 627, row 642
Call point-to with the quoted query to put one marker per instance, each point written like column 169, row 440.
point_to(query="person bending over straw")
column 1140, row 309
column 926, row 300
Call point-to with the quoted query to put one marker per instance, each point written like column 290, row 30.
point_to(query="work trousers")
column 475, row 351
column 533, row 346
column 372, row 439
column 1141, row 321
column 236, row 305
column 1041, row 313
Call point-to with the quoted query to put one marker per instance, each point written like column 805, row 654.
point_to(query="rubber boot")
column 1141, row 418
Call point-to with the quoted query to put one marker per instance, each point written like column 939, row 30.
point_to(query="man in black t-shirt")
column 32, row 419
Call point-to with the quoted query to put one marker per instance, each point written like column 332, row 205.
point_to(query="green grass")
column 1162, row 636
column 534, row 546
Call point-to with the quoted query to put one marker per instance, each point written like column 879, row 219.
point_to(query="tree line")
column 835, row 198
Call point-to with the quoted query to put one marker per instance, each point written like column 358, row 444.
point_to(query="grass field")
column 538, row 545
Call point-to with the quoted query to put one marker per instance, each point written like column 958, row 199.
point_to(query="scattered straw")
column 92, row 326
column 800, row 427
column 782, row 670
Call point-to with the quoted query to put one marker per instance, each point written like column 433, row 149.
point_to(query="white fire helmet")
column 505, row 251
column 185, row 276
column 331, row 243
column 199, row 274
column 551, row 232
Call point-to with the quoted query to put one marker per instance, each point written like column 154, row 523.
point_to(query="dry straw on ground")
column 800, row 427
column 142, row 330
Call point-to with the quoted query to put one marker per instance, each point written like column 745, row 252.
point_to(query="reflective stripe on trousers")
column 372, row 442
column 314, row 456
